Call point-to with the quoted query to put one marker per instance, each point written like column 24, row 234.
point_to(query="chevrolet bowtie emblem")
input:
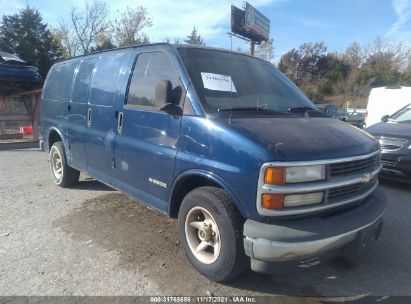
column 366, row 178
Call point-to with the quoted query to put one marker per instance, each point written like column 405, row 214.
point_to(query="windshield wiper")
column 301, row 109
column 244, row 109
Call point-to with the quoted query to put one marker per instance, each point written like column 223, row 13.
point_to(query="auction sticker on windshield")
column 217, row 82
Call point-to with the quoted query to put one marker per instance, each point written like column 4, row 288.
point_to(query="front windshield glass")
column 403, row 115
column 227, row 81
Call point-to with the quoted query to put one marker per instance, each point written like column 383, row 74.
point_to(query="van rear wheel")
column 63, row 175
column 211, row 231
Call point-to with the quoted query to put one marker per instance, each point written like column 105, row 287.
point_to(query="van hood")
column 391, row 129
column 299, row 139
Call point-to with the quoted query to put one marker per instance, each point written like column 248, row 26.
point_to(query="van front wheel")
column 63, row 175
column 211, row 231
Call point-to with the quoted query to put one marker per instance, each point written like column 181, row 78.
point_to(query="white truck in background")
column 386, row 101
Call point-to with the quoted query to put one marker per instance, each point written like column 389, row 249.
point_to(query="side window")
column 105, row 80
column 59, row 81
column 81, row 86
column 148, row 70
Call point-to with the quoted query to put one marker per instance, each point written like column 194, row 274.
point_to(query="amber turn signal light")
column 272, row 201
column 274, row 176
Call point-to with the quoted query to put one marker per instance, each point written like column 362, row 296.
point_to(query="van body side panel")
column 55, row 119
column 76, row 125
column 75, row 129
column 205, row 145
column 55, row 102
column 102, row 104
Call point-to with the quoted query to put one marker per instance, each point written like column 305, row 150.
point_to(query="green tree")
column 317, row 72
column 307, row 63
column 104, row 43
column 194, row 38
column 26, row 35
column 174, row 41
column 289, row 64
column 406, row 75
column 380, row 72
column 348, row 76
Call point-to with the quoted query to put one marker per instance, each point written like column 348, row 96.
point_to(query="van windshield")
column 225, row 81
column 403, row 115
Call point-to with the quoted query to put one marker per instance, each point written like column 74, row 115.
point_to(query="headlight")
column 281, row 175
column 409, row 147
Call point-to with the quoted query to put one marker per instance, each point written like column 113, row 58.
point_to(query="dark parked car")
column 356, row 119
column 394, row 135
column 16, row 75
column 222, row 141
column 330, row 110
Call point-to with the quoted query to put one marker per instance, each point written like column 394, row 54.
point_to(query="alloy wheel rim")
column 202, row 235
column 57, row 165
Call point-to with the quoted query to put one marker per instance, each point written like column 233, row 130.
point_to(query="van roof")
column 151, row 44
column 390, row 88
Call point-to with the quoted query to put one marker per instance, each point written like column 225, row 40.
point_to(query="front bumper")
column 396, row 165
column 304, row 240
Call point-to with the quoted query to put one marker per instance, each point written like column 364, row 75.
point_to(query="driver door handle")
column 120, row 122
column 89, row 118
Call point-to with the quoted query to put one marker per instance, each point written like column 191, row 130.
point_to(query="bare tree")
column 89, row 22
column 395, row 52
column 265, row 50
column 68, row 39
column 354, row 55
column 127, row 29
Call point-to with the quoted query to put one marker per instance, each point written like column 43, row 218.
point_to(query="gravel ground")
column 93, row 240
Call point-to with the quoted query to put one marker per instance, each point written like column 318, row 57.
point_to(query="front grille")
column 348, row 182
column 355, row 166
column 388, row 163
column 390, row 147
column 391, row 144
column 345, row 192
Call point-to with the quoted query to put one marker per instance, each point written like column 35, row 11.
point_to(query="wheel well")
column 53, row 138
column 184, row 186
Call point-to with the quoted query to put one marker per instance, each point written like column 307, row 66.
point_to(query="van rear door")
column 101, row 113
column 147, row 137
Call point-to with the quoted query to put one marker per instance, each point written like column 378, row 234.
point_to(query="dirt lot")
column 92, row 240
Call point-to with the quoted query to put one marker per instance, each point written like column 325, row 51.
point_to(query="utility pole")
column 251, row 47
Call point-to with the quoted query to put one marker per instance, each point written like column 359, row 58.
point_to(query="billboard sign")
column 250, row 23
column 256, row 22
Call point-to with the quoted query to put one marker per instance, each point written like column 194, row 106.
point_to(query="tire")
column 62, row 174
column 225, row 258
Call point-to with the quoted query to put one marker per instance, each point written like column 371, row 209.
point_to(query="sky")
column 337, row 23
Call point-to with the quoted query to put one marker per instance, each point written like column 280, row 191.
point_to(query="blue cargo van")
column 224, row 142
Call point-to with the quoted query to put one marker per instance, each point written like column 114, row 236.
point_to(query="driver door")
column 147, row 137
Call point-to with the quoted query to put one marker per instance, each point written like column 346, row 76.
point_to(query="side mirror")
column 163, row 93
column 385, row 118
column 172, row 109
column 166, row 99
